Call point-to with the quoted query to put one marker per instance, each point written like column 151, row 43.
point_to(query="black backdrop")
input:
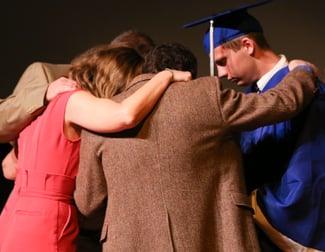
column 57, row 30
column 5, row 185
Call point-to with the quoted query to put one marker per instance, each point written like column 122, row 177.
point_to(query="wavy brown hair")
column 107, row 70
column 139, row 41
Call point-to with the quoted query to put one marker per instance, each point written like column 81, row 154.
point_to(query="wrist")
column 171, row 73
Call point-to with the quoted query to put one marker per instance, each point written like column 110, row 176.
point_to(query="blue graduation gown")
column 262, row 145
column 295, row 204
column 292, row 154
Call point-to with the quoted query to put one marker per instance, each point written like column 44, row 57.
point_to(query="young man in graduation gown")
column 284, row 161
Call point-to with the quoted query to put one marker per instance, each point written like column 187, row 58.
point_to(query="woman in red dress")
column 40, row 214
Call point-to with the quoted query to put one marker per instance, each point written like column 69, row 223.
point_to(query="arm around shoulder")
column 249, row 111
column 105, row 115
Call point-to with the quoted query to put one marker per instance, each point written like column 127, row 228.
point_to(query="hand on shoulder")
column 177, row 75
column 59, row 86
column 298, row 63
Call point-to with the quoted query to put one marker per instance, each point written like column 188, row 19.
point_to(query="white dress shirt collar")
column 283, row 62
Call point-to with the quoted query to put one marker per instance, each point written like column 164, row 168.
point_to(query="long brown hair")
column 107, row 70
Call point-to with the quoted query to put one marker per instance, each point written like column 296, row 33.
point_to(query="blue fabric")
column 267, row 149
column 295, row 205
column 261, row 145
column 309, row 68
column 220, row 35
column 229, row 26
column 292, row 155
column 278, row 131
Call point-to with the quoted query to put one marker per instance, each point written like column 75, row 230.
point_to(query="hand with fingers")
column 302, row 63
column 59, row 86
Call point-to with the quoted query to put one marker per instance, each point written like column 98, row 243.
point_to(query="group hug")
column 126, row 148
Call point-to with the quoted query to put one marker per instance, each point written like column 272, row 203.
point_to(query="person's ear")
column 248, row 44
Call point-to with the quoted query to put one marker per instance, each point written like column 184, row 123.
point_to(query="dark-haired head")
column 170, row 55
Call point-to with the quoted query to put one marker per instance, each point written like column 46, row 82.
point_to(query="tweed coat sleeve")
column 248, row 111
column 90, row 193
column 27, row 99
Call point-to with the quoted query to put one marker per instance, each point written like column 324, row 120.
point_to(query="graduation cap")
column 226, row 26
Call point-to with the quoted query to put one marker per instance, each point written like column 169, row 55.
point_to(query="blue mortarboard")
column 228, row 25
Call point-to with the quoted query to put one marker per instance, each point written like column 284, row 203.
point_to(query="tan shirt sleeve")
column 27, row 99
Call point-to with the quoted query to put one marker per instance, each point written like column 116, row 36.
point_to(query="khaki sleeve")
column 27, row 99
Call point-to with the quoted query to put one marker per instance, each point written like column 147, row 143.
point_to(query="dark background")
column 57, row 30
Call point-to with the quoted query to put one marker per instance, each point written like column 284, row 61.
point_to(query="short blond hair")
column 257, row 37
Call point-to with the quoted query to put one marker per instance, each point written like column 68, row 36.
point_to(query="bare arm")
column 105, row 115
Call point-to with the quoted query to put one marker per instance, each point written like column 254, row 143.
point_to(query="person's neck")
column 267, row 61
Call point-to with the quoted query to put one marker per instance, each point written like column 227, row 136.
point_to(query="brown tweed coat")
column 175, row 182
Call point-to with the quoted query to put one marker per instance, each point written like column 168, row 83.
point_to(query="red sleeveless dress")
column 40, row 214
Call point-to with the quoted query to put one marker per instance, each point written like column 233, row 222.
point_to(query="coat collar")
column 140, row 79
